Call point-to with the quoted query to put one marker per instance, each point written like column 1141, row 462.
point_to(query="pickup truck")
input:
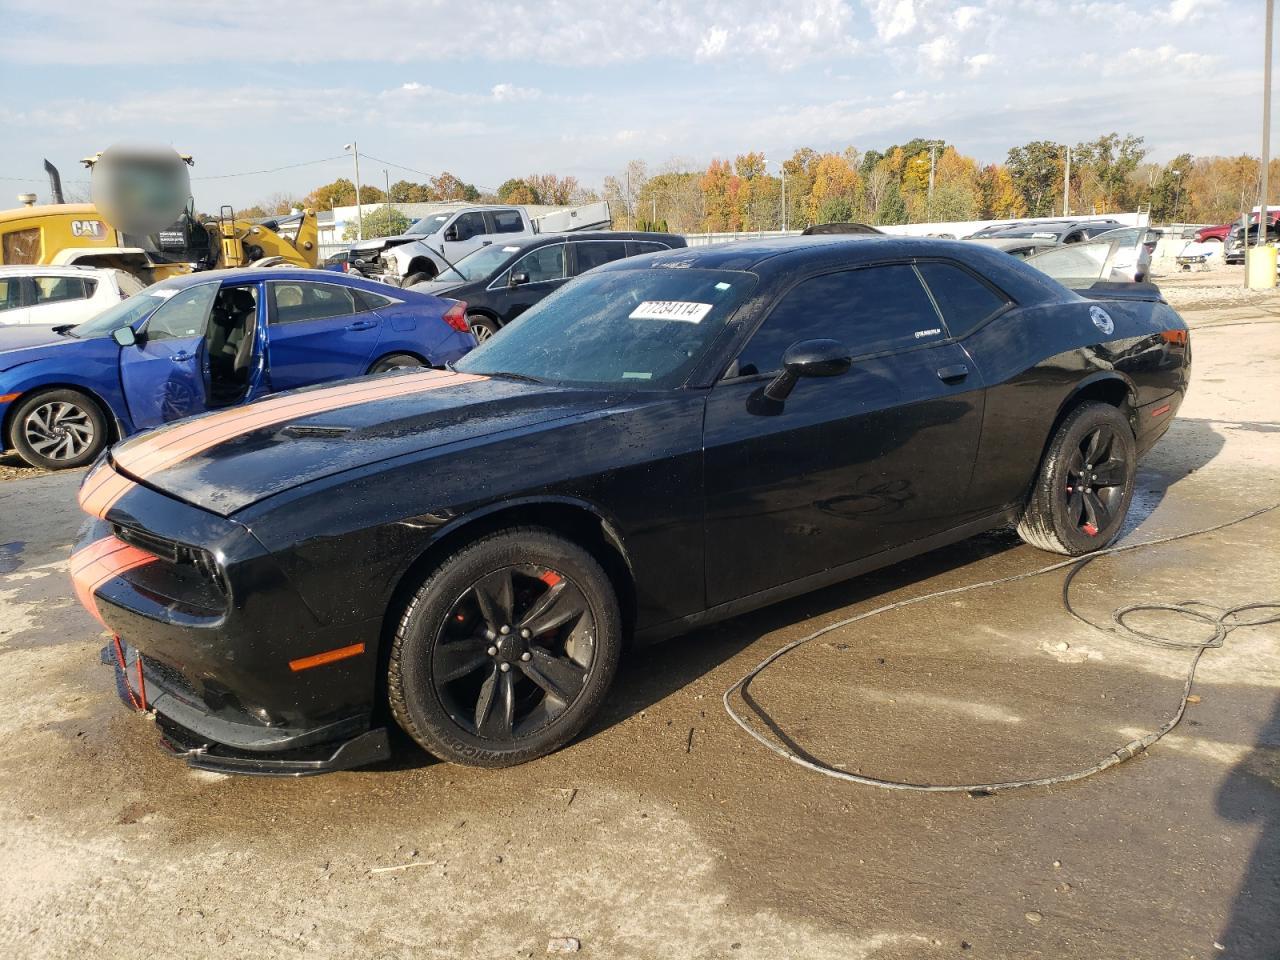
column 1220, row 233
column 433, row 244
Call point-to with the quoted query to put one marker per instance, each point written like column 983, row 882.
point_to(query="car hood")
column 229, row 460
column 438, row 288
column 23, row 344
column 381, row 243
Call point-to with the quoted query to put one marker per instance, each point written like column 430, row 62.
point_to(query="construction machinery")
column 80, row 233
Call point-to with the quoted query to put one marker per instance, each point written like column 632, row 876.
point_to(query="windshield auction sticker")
column 682, row 310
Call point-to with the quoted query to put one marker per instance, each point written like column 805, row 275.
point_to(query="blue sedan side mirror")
column 124, row 336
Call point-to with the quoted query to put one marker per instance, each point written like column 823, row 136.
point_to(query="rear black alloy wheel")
column 1085, row 485
column 58, row 430
column 506, row 651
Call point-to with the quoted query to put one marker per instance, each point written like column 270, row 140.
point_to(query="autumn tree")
column 999, row 198
column 517, row 190
column 836, row 189
column 1101, row 169
column 340, row 193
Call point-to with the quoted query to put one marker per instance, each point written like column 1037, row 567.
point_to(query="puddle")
column 10, row 559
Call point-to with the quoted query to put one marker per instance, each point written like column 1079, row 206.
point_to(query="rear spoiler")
column 1113, row 290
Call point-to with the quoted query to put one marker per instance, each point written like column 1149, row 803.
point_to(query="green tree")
column 383, row 221
column 1036, row 169
column 340, row 193
column 1104, row 166
column 406, row 191
column 893, row 208
column 1169, row 194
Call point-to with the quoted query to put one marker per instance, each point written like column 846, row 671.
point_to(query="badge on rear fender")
column 1102, row 320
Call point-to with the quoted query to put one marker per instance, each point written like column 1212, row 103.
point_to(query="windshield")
column 481, row 264
column 126, row 313
column 637, row 329
column 429, row 224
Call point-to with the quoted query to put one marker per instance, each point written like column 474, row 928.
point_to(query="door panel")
column 545, row 268
column 847, row 467
column 317, row 332
column 163, row 374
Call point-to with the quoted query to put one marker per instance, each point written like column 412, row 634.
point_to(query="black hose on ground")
column 1222, row 619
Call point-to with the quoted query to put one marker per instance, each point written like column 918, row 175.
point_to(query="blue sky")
column 491, row 90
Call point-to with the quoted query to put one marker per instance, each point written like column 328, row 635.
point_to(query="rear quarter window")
column 965, row 301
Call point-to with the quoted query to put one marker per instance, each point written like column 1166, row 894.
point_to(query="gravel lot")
column 666, row 832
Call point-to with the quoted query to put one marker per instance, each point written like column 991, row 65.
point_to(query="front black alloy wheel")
column 506, row 651
column 1085, row 485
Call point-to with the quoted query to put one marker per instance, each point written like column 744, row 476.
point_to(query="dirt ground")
column 666, row 832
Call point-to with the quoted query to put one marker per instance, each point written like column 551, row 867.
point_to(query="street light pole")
column 1177, row 195
column 782, row 175
column 355, row 152
column 933, row 158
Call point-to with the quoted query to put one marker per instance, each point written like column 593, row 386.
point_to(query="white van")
column 50, row 296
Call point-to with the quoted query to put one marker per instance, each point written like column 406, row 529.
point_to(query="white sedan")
column 49, row 296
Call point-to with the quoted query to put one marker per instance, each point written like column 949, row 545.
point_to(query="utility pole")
column 355, row 152
column 1066, row 186
column 933, row 148
column 1263, row 220
column 387, row 178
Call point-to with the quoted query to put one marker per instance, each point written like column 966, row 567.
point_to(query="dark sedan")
column 667, row 441
column 501, row 281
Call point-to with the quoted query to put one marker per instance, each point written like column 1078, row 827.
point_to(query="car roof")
column 538, row 239
column 780, row 257
column 247, row 274
column 66, row 269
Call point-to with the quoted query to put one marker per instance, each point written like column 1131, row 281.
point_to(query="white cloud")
column 1184, row 11
column 1143, row 59
column 713, row 43
column 965, row 17
column 892, row 18
column 939, row 52
column 975, row 64
column 509, row 92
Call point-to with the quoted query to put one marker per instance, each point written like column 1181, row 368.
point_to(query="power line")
column 254, row 173
column 421, row 173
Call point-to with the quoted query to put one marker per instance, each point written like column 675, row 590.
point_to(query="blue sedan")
column 206, row 341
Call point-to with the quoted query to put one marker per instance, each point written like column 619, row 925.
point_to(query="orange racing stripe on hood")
column 101, row 561
column 104, row 487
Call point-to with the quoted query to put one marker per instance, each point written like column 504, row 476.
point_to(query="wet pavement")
column 665, row 831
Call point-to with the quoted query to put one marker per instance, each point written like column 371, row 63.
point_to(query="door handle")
column 182, row 356
column 953, row 374
column 362, row 325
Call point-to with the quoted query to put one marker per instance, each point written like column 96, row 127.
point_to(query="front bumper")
column 287, row 753
column 240, row 673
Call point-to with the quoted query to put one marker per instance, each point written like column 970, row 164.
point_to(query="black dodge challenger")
column 666, row 441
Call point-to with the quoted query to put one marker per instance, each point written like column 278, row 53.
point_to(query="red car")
column 1223, row 230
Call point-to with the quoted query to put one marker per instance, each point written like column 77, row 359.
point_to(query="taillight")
column 456, row 317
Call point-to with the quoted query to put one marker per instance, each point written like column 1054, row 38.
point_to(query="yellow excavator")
column 80, row 233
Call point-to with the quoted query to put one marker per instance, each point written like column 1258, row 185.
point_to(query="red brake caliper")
column 140, row 701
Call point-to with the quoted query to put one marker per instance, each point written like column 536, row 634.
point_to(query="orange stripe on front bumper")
column 329, row 656
column 101, row 561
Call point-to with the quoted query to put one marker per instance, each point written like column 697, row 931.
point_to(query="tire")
column 482, row 327
column 1065, row 515
column 397, row 361
column 419, row 277
column 58, row 429
column 451, row 676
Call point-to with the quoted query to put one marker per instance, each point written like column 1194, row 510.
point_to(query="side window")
column 593, row 253
column 369, row 301
column 58, row 289
column 13, row 293
column 649, row 246
column 296, row 301
column 545, row 263
column 21, row 246
column 185, row 314
column 469, row 225
column 869, row 310
column 965, row 301
column 507, row 221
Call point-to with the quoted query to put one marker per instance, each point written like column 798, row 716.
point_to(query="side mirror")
column 808, row 358
column 124, row 336
column 517, row 279
column 451, row 233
